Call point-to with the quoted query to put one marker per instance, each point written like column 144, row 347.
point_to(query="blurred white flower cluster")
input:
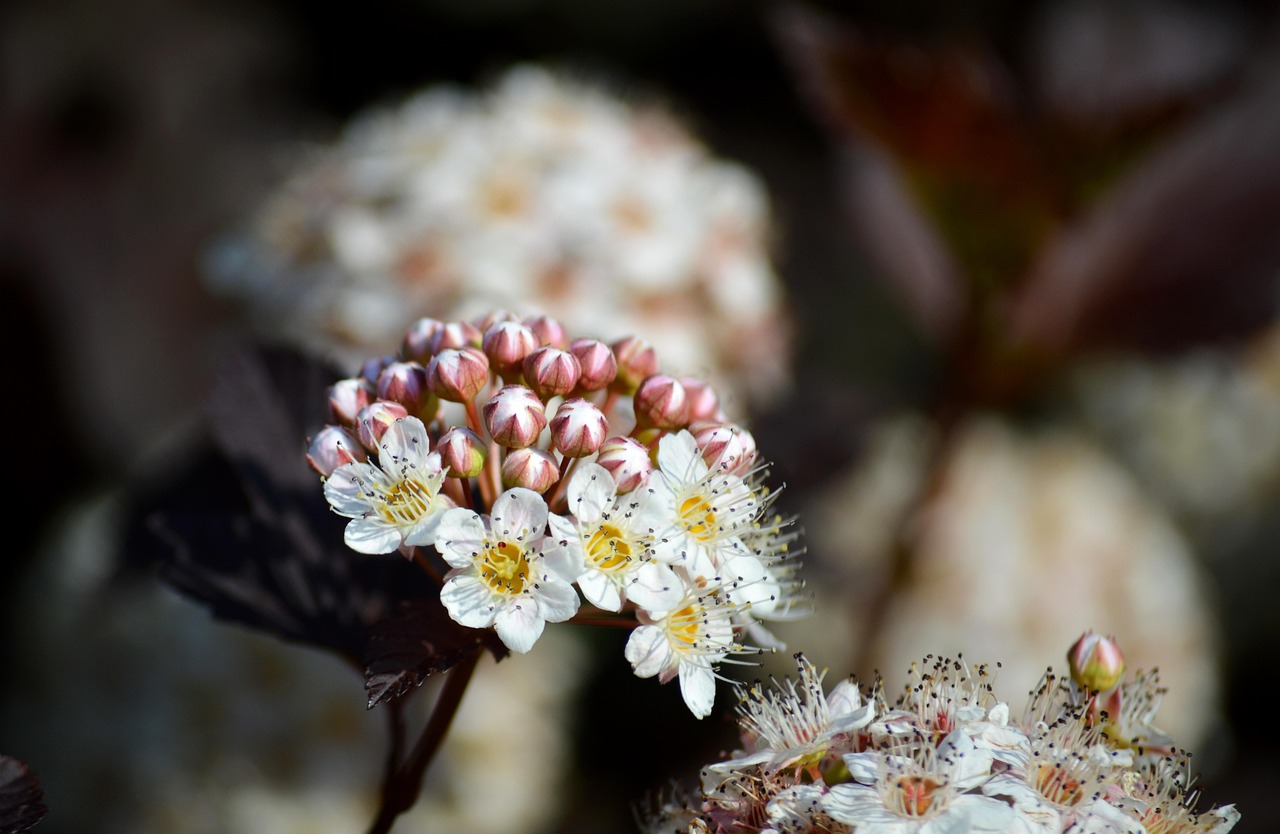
column 949, row 756
column 559, row 463
column 994, row 517
column 539, row 195
column 1200, row 432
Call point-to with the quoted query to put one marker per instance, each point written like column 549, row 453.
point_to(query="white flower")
column 687, row 642
column 795, row 724
column 923, row 793
column 500, row 577
column 395, row 502
column 711, row 508
column 608, row 540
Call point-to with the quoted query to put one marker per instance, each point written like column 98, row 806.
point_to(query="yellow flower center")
column 1057, row 785
column 406, row 502
column 505, row 569
column 682, row 625
column 699, row 517
column 607, row 548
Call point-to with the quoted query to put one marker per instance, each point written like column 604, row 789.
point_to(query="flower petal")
column 698, row 686
column 519, row 625
column 648, row 651
column 521, row 513
column 468, row 601
column 371, row 535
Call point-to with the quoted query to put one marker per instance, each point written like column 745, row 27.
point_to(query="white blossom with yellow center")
column 396, row 502
column 500, row 575
column 608, row 538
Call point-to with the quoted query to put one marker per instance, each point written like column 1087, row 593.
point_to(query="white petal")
column 405, row 444
column 459, row 536
column 423, row 533
column 557, row 601
column 679, row 458
column 562, row 555
column 861, row 805
column 591, row 492
column 468, row 601
column 655, row 587
column 648, row 651
column 519, row 625
column 698, row 686
column 519, row 512
column 342, row 488
column 600, row 590
column 371, row 535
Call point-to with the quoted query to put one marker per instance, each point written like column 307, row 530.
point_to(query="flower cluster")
column 540, row 192
column 947, row 756
column 530, row 463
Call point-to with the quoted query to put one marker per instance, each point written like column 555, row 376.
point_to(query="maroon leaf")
column 419, row 640
column 21, row 797
column 243, row 526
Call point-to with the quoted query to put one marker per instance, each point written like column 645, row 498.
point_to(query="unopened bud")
column 457, row 375
column 1096, row 662
column 549, row 331
column 598, row 364
column 406, row 383
column 347, row 397
column 374, row 419
column 332, row 447
column 507, row 343
column 551, row 372
column 660, row 402
column 455, row 335
column 530, row 468
column 627, row 461
column 636, row 360
column 725, row 447
column 704, row 403
column 416, row 344
column 579, row 428
column 462, row 452
column 495, row 317
column 372, row 368
column 515, row 417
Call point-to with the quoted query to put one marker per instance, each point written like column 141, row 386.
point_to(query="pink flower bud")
column 462, row 452
column 636, row 361
column 661, row 402
column 416, row 344
column 495, row 317
column 457, row 375
column 530, row 468
column 704, row 404
column 372, row 368
column 455, row 335
column 374, row 419
column 347, row 397
column 1096, row 662
column 507, row 343
column 627, row 461
column 725, row 447
column 334, row 446
column 549, row 331
column 551, row 372
column 578, row 428
column 515, row 417
column 599, row 366
column 406, row 383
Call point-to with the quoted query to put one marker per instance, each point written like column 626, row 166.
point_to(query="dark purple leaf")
column 419, row 640
column 243, row 526
column 21, row 798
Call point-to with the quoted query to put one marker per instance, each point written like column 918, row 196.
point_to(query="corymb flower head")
column 944, row 758
column 541, row 472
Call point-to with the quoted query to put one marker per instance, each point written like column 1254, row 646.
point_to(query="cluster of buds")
column 946, row 755
column 530, row 462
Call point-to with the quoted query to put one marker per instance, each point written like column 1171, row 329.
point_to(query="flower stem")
column 402, row 785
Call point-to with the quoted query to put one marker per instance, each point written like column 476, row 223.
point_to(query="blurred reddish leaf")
column 21, row 797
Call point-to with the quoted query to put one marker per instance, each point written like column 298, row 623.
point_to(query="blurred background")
column 995, row 284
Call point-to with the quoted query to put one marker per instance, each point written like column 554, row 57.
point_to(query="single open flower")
column 395, row 502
